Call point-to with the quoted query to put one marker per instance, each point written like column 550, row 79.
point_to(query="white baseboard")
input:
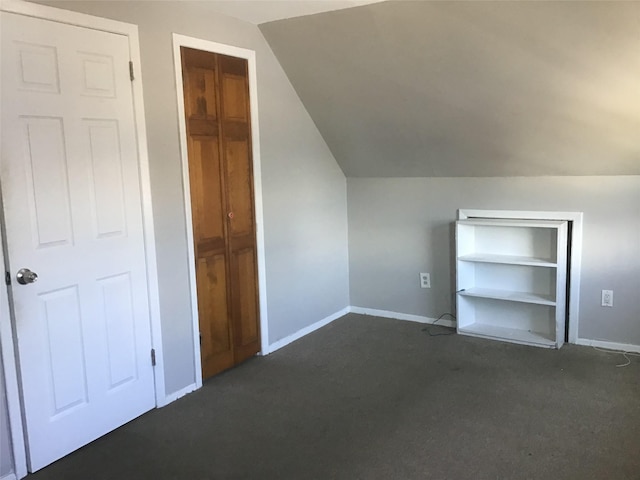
column 9, row 476
column 179, row 394
column 272, row 348
column 622, row 347
column 445, row 322
column 307, row 330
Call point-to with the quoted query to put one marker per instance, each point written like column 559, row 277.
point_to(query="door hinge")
column 7, row 278
column 131, row 70
column 153, row 357
column 200, row 339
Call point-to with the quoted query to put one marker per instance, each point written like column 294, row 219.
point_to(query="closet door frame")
column 250, row 57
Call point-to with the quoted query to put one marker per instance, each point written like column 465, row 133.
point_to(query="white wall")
column 399, row 227
column 304, row 190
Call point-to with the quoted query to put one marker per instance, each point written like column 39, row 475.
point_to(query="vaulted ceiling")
column 402, row 89
column 261, row 11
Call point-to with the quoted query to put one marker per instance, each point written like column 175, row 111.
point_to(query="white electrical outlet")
column 425, row 280
column 607, row 298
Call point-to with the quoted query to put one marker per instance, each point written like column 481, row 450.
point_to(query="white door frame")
column 6, row 326
column 576, row 251
column 250, row 56
column 14, row 408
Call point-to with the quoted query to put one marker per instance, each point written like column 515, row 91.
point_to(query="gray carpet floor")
column 372, row 398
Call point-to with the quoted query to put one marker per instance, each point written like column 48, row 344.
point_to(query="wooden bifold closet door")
column 216, row 98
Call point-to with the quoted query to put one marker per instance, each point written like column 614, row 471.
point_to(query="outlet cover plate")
column 607, row 298
column 425, row 280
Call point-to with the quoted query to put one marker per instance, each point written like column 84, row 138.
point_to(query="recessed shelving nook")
column 511, row 280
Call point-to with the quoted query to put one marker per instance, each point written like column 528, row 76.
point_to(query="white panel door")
column 72, row 202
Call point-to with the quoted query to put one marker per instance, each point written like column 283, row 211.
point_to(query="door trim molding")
column 131, row 32
column 9, row 362
column 575, row 269
column 250, row 56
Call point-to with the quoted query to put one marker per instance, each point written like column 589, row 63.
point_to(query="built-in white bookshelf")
column 511, row 280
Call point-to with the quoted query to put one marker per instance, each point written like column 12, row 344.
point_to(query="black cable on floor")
column 432, row 334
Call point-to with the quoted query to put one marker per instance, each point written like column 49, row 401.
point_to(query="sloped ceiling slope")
column 262, row 11
column 402, row 89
